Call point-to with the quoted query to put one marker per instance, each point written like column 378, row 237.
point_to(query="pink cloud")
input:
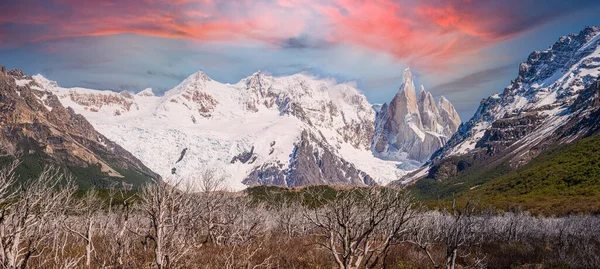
column 432, row 31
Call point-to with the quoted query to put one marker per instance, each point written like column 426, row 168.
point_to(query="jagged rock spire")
column 430, row 115
column 413, row 124
column 448, row 116
column 407, row 92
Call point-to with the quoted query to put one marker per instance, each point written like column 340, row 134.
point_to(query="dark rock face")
column 450, row 167
column 587, row 118
column 312, row 162
column 58, row 136
column 245, row 157
column 267, row 174
column 380, row 141
column 504, row 132
column 16, row 73
column 182, row 155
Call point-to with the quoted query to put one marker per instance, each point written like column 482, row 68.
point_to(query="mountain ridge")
column 550, row 102
column 255, row 131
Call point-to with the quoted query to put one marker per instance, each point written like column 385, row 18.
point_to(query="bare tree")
column 213, row 205
column 288, row 217
column 27, row 212
column 210, row 182
column 170, row 215
column 459, row 231
column 87, row 210
column 120, row 240
column 454, row 228
column 358, row 226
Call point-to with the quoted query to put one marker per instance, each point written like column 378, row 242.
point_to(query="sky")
column 464, row 50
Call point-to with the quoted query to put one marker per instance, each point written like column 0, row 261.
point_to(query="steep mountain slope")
column 551, row 102
column 563, row 180
column 38, row 130
column 413, row 128
column 288, row 131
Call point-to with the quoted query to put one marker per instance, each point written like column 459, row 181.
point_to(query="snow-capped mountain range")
column 290, row 131
column 298, row 130
column 543, row 106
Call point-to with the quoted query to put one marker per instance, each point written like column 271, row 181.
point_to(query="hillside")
column 39, row 132
column 562, row 180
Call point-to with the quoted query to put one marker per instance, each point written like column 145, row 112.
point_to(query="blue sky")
column 464, row 50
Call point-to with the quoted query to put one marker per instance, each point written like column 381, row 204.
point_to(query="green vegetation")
column 306, row 195
column 276, row 193
column 430, row 189
column 563, row 180
column 566, row 180
column 85, row 177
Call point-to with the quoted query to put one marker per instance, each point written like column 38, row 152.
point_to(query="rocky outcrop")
column 245, row 157
column 36, row 126
column 312, row 162
column 449, row 118
column 504, row 132
column 411, row 127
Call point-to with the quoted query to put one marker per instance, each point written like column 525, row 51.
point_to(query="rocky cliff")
column 38, row 130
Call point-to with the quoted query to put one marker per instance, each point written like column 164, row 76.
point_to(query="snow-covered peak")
column 421, row 91
column 377, row 107
column 194, row 82
column 407, row 95
column 257, row 82
column 545, row 67
column 146, row 93
column 426, row 102
column 442, row 102
column 44, row 81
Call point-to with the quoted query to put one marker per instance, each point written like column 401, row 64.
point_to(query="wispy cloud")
column 173, row 76
column 475, row 80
